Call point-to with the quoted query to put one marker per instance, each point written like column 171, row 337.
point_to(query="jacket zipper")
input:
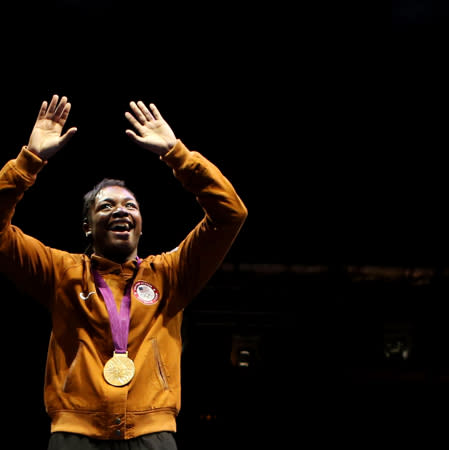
column 160, row 368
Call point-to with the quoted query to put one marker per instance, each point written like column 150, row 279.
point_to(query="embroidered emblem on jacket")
column 145, row 293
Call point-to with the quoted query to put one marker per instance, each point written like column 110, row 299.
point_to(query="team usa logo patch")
column 145, row 293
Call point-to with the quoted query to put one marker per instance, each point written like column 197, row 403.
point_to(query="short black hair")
column 89, row 197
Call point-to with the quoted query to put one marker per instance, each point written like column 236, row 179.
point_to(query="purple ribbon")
column 119, row 320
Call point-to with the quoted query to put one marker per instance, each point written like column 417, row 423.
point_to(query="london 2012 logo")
column 145, row 293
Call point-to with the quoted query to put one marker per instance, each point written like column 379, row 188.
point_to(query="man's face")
column 115, row 223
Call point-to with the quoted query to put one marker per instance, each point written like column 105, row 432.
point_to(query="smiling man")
column 112, row 377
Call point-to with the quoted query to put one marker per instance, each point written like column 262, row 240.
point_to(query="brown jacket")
column 77, row 397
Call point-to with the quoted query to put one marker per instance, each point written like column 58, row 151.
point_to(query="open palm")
column 46, row 139
column 153, row 132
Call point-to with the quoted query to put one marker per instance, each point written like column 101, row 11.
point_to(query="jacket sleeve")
column 23, row 259
column 200, row 254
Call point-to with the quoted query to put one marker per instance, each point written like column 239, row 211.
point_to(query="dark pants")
column 71, row 441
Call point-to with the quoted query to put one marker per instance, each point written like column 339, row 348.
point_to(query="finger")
column 68, row 135
column 145, row 111
column 60, row 108
column 133, row 135
column 65, row 113
column 137, row 112
column 53, row 103
column 42, row 110
column 133, row 121
column 155, row 111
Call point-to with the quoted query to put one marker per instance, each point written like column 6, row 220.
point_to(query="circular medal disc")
column 119, row 370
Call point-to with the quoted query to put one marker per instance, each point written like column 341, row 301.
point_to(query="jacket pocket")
column 67, row 381
column 160, row 369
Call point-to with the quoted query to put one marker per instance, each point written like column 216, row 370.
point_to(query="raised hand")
column 46, row 139
column 153, row 132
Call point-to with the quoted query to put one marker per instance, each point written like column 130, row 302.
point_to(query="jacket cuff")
column 28, row 163
column 177, row 156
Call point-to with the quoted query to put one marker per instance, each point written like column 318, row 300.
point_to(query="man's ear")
column 86, row 229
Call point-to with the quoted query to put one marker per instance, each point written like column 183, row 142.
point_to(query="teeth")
column 120, row 227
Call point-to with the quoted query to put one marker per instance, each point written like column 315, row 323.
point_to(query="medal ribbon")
column 119, row 321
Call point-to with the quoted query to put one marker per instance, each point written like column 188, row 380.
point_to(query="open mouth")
column 121, row 228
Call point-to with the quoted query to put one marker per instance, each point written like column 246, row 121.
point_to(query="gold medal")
column 119, row 370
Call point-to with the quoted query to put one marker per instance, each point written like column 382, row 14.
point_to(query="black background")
column 332, row 129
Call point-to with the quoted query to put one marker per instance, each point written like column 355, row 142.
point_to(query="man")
column 112, row 376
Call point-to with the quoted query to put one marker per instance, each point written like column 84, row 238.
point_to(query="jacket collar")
column 105, row 266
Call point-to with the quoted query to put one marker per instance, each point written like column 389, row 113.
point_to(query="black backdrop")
column 330, row 128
